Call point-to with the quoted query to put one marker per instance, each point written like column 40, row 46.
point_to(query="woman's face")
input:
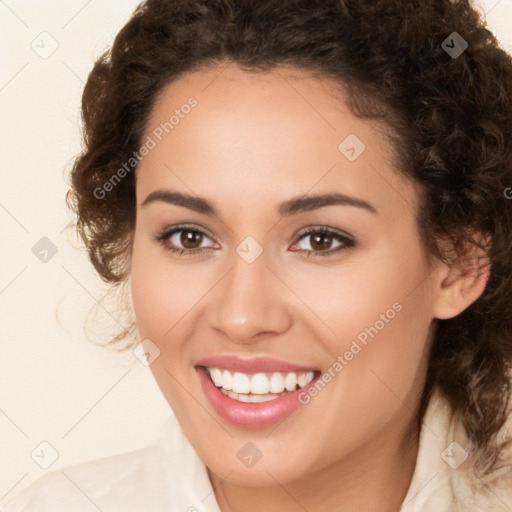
column 255, row 308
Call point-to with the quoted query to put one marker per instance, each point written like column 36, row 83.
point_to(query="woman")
column 308, row 202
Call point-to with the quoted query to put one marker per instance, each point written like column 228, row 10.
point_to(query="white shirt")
column 168, row 476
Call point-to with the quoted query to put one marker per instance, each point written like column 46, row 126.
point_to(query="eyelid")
column 315, row 228
column 347, row 241
column 187, row 227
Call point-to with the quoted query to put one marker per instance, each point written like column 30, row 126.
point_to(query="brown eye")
column 184, row 240
column 321, row 241
column 190, row 239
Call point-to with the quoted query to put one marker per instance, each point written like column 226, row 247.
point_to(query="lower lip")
column 250, row 415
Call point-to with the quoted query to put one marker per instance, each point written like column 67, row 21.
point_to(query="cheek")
column 364, row 292
column 377, row 318
column 163, row 292
column 162, row 295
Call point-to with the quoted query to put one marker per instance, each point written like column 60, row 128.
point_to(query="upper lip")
column 236, row 363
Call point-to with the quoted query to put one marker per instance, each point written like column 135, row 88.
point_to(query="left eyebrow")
column 287, row 208
column 309, row 203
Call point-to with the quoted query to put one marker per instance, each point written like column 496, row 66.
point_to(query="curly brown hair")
column 449, row 118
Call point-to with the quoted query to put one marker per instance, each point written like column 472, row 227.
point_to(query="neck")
column 377, row 478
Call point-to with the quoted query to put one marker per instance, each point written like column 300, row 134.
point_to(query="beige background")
column 55, row 385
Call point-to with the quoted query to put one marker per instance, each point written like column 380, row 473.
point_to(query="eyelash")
column 347, row 243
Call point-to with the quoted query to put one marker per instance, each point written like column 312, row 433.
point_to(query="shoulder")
column 489, row 490
column 90, row 485
column 164, row 475
column 445, row 477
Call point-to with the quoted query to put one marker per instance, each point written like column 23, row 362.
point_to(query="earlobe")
column 461, row 283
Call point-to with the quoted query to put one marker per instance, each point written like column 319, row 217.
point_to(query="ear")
column 460, row 283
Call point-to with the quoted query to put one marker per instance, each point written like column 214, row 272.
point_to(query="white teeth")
column 216, row 376
column 305, row 378
column 249, row 398
column 290, row 382
column 261, row 398
column 259, row 384
column 256, row 388
column 241, row 383
column 227, row 380
column 243, row 398
column 276, row 383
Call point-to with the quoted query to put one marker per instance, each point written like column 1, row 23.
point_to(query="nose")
column 250, row 303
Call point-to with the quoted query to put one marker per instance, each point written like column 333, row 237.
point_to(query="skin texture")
column 253, row 141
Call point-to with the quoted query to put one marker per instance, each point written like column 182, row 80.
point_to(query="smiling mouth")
column 258, row 387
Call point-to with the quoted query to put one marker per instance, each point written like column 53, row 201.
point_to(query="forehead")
column 261, row 133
